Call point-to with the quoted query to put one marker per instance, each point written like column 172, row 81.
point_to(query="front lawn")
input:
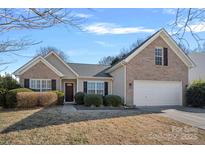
column 51, row 126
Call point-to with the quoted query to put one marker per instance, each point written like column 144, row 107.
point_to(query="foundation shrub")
column 36, row 99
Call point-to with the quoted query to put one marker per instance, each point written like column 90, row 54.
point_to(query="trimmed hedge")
column 20, row 90
column 79, row 97
column 93, row 99
column 36, row 99
column 113, row 100
column 11, row 100
column 60, row 95
column 195, row 94
column 2, row 96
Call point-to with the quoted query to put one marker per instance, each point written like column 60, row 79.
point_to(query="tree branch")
column 15, row 45
column 188, row 21
column 18, row 19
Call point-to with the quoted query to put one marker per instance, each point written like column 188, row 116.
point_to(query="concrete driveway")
column 191, row 116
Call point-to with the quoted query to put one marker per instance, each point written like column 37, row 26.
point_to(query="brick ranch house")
column 153, row 74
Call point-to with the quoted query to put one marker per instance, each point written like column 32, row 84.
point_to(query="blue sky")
column 106, row 31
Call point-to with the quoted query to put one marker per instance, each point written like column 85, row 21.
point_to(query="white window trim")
column 95, row 81
column 159, row 56
column 41, row 89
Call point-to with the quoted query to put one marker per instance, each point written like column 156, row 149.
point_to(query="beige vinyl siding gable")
column 119, row 81
column 53, row 60
column 198, row 72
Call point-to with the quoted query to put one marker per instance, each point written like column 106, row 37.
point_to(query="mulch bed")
column 83, row 107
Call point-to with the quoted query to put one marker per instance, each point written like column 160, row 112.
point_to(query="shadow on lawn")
column 54, row 116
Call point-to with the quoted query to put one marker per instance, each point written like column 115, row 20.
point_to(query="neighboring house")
column 198, row 72
column 153, row 74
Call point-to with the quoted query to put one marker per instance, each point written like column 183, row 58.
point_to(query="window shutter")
column 85, row 86
column 53, row 84
column 26, row 83
column 165, row 56
column 106, row 88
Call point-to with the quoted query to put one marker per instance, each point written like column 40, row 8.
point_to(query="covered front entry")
column 69, row 92
column 157, row 93
column 68, row 86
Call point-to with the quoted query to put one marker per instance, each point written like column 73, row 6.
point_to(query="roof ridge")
column 87, row 64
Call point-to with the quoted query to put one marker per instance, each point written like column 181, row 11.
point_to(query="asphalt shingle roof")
column 97, row 70
column 93, row 70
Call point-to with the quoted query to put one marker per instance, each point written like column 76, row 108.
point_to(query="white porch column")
column 77, row 85
column 61, row 85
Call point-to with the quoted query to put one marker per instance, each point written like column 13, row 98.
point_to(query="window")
column 32, row 84
column 49, row 84
column 95, row 87
column 40, row 84
column 38, row 87
column 91, row 88
column 158, row 56
column 100, row 88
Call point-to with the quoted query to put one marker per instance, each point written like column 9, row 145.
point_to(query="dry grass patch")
column 50, row 126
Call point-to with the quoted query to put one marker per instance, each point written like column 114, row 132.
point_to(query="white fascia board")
column 93, row 77
column 52, row 67
column 17, row 72
column 62, row 62
column 118, row 65
column 137, row 51
column 34, row 62
column 185, row 58
column 167, row 38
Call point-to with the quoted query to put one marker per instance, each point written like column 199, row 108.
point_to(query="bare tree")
column 15, row 45
column 106, row 60
column 45, row 50
column 184, row 48
column 111, row 60
column 11, row 46
column 21, row 19
column 188, row 21
column 200, row 49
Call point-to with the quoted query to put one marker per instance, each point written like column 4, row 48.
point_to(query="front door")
column 69, row 92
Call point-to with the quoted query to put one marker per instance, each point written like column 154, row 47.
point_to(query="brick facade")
column 40, row 71
column 142, row 67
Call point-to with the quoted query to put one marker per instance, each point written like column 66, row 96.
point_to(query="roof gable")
column 59, row 64
column 56, row 64
column 167, row 38
column 172, row 44
column 33, row 62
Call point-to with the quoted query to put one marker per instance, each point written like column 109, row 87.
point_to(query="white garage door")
column 157, row 93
